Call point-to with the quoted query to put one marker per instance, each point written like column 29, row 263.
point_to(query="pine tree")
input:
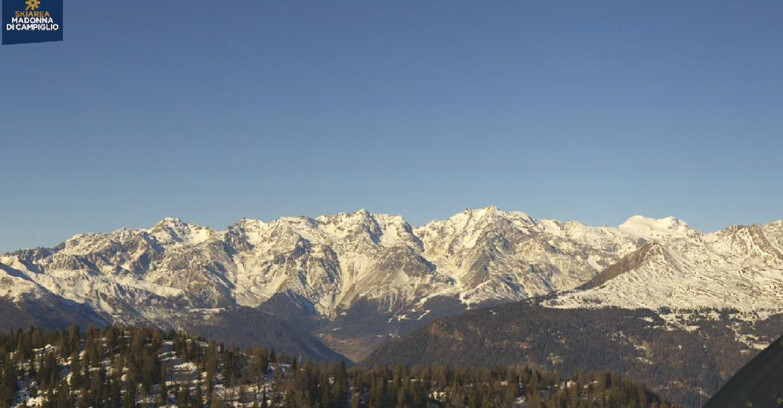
column 182, row 397
column 264, row 404
column 64, row 399
column 163, row 393
column 340, row 385
column 9, row 386
column 198, row 397
column 130, row 395
column 115, row 392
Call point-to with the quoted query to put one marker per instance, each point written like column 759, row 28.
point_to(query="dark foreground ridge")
column 759, row 384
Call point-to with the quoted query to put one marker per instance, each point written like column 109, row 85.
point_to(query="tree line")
column 125, row 367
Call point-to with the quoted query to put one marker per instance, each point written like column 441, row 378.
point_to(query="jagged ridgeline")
column 352, row 281
column 347, row 284
column 144, row 367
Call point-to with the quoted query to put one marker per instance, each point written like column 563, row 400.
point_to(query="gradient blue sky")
column 212, row 111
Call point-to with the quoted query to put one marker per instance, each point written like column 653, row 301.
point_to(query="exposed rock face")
column 329, row 272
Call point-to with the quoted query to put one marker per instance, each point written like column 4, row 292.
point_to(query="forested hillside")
column 758, row 384
column 686, row 361
column 127, row 367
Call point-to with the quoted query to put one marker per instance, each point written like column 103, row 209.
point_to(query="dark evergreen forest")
column 143, row 367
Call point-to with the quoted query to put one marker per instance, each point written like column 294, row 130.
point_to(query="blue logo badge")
column 32, row 21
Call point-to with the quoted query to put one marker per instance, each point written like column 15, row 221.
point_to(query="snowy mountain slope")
column 24, row 303
column 493, row 254
column 330, row 260
column 15, row 286
column 331, row 272
column 339, row 264
column 657, row 229
column 740, row 267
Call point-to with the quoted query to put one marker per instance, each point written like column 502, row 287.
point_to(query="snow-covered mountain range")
column 740, row 267
column 332, row 271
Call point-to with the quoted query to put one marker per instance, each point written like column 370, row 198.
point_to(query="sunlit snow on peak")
column 653, row 229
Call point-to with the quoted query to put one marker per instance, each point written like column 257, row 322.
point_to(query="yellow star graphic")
column 32, row 4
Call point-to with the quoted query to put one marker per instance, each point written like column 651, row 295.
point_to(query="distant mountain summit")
column 656, row 229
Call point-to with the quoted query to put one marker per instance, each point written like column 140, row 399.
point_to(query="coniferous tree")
column 129, row 360
column 63, row 398
column 182, row 397
column 163, row 392
column 198, row 397
column 9, row 384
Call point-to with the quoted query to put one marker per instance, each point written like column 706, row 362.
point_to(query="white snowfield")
column 740, row 267
column 334, row 261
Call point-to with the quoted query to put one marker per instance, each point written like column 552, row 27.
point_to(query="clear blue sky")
column 211, row 111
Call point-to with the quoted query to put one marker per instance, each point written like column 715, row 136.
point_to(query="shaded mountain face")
column 684, row 359
column 46, row 311
column 358, row 279
column 630, row 262
column 758, row 384
column 244, row 326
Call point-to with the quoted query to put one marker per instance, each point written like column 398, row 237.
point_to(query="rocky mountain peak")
column 379, row 263
column 173, row 230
